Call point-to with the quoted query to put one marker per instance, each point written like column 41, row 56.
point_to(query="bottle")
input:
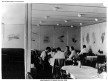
column 79, row 64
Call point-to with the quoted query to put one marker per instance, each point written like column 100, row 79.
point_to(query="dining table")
column 83, row 72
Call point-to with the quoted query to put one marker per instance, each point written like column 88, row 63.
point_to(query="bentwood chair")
column 57, row 72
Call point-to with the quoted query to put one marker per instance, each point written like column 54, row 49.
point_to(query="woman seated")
column 73, row 53
column 73, row 56
column 57, row 63
column 67, row 52
column 51, row 60
column 57, row 55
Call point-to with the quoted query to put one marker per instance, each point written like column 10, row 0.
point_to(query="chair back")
column 57, row 67
column 59, row 62
column 85, row 54
column 101, row 59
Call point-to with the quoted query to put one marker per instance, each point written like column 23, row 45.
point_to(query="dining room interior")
column 54, row 41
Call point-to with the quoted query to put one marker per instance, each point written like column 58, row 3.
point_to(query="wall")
column 94, row 37
column 13, row 22
column 44, row 36
column 13, row 36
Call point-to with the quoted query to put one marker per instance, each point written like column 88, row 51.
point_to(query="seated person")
column 52, row 53
column 45, row 57
column 84, row 50
column 51, row 60
column 45, row 53
column 58, row 55
column 82, row 54
column 73, row 53
column 58, row 62
column 67, row 52
column 72, row 60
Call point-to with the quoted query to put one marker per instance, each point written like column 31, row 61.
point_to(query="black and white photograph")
column 54, row 41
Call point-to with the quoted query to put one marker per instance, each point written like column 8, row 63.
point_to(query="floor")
column 13, row 71
column 42, row 74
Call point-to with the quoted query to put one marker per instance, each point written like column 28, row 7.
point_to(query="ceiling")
column 67, row 15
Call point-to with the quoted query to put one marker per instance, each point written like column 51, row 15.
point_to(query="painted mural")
column 55, row 37
column 83, row 39
column 46, row 39
column 13, row 36
column 103, row 37
column 93, row 38
column 87, row 38
column 61, row 38
column 34, row 35
column 74, row 40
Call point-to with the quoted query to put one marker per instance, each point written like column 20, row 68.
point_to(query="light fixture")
column 56, row 8
column 65, row 21
column 58, row 24
column 79, row 15
column 80, row 24
column 71, row 26
column 96, row 19
column 46, row 17
column 41, row 22
column 38, row 24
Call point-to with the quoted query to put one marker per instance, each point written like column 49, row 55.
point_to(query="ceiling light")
column 58, row 24
column 46, row 17
column 79, row 15
column 38, row 24
column 66, row 21
column 71, row 26
column 56, row 8
column 81, row 24
column 41, row 22
column 96, row 19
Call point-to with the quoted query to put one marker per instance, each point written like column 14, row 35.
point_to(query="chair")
column 57, row 72
column 101, row 63
column 68, row 62
column 83, row 58
column 101, row 59
column 28, row 76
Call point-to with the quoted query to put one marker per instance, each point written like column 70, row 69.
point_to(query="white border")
column 105, row 2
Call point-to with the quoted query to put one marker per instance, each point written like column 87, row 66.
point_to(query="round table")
column 85, row 72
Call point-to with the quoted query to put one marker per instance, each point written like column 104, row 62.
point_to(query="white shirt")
column 43, row 55
column 59, row 55
column 73, row 53
column 51, row 53
column 84, row 50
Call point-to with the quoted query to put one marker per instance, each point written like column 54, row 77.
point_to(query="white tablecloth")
column 91, row 58
column 84, row 72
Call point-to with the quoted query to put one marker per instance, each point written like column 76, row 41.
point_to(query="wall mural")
column 74, row 40
column 87, row 38
column 61, row 38
column 103, row 37
column 13, row 36
column 83, row 39
column 94, row 38
column 46, row 39
column 33, row 33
